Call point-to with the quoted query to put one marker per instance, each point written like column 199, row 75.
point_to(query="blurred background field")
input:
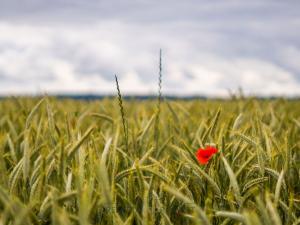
column 67, row 161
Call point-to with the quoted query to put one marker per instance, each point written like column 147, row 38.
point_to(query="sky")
column 209, row 48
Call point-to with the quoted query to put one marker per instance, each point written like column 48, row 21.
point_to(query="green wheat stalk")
column 159, row 99
column 124, row 122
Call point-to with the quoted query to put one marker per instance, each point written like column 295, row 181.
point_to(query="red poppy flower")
column 204, row 155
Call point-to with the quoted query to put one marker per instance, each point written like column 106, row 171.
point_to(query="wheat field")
column 115, row 161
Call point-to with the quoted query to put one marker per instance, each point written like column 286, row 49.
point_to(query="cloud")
column 78, row 47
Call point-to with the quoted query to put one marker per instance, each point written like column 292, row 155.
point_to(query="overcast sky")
column 209, row 47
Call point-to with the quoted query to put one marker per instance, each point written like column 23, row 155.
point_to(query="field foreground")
column 76, row 162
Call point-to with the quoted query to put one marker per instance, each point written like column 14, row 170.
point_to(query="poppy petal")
column 204, row 155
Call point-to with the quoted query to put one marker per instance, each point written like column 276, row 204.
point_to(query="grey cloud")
column 208, row 47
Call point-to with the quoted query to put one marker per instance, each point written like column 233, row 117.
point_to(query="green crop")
column 115, row 161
